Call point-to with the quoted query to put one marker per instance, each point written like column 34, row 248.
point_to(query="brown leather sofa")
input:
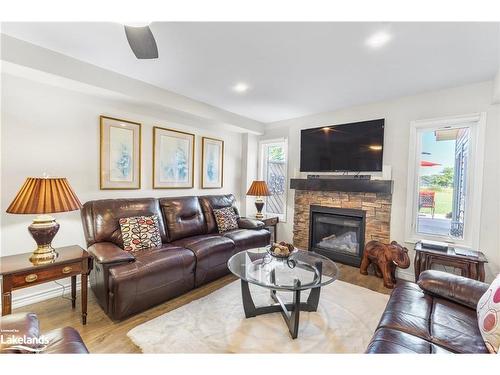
column 59, row 341
column 193, row 253
column 436, row 315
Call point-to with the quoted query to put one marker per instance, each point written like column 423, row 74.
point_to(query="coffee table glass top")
column 301, row 270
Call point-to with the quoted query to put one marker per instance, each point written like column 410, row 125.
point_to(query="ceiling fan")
column 141, row 41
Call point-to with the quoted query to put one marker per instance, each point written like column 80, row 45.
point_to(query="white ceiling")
column 293, row 69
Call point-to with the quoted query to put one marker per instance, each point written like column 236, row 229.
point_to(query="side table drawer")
column 29, row 278
column 271, row 221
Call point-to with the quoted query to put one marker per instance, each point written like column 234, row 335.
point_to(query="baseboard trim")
column 42, row 295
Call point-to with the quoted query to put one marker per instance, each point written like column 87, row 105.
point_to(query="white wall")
column 248, row 172
column 398, row 114
column 53, row 130
column 496, row 88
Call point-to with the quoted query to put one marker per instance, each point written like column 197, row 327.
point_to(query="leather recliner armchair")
column 193, row 253
column 16, row 328
column 436, row 315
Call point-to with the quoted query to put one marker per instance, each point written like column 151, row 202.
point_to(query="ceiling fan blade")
column 142, row 42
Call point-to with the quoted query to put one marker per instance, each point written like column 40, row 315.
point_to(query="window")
column 444, row 179
column 273, row 170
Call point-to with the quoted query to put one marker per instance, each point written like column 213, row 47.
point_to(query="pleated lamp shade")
column 258, row 189
column 44, row 196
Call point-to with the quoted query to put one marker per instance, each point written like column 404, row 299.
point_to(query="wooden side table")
column 18, row 272
column 471, row 267
column 272, row 222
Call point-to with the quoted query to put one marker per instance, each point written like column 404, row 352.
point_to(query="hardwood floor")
column 102, row 335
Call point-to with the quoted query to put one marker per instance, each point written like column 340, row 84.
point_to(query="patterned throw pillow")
column 226, row 219
column 488, row 314
column 140, row 232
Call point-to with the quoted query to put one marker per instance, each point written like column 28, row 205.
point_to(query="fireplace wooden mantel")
column 342, row 185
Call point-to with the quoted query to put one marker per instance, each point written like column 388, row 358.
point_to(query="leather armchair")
column 58, row 341
column 436, row 315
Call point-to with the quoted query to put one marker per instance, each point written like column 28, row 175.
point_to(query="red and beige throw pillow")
column 226, row 219
column 488, row 315
column 140, row 232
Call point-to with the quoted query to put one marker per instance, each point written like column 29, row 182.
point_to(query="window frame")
column 476, row 122
column 260, row 172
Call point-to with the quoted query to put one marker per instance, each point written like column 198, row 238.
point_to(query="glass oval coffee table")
column 302, row 270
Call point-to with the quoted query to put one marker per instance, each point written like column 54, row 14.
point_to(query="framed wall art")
column 173, row 159
column 120, row 154
column 212, row 163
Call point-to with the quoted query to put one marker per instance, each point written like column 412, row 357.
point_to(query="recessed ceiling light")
column 375, row 147
column 378, row 39
column 240, row 87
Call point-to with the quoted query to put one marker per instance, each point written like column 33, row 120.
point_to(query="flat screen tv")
column 356, row 147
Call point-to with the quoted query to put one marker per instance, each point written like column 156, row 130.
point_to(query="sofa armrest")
column 109, row 253
column 458, row 289
column 246, row 223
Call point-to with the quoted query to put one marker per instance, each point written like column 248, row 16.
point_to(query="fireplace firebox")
column 337, row 233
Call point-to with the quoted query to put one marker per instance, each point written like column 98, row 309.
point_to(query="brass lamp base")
column 43, row 230
column 45, row 257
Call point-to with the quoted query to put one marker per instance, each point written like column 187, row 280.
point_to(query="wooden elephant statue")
column 385, row 258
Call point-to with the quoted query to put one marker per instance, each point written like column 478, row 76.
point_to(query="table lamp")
column 259, row 189
column 44, row 196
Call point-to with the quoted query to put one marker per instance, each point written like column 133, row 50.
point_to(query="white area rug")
column 344, row 323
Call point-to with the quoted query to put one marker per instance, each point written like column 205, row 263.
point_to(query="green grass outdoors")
column 443, row 200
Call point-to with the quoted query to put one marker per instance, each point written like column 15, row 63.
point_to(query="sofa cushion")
column 488, row 316
column 408, row 310
column 211, row 202
column 101, row 218
column 183, row 217
column 212, row 252
column 455, row 327
column 248, row 239
column 226, row 219
column 158, row 274
column 140, row 232
column 390, row 341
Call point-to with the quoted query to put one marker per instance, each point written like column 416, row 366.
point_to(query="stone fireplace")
column 337, row 233
column 371, row 210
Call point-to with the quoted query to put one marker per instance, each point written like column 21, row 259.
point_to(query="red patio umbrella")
column 425, row 163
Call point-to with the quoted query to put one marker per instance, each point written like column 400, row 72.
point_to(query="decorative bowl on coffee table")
column 271, row 252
